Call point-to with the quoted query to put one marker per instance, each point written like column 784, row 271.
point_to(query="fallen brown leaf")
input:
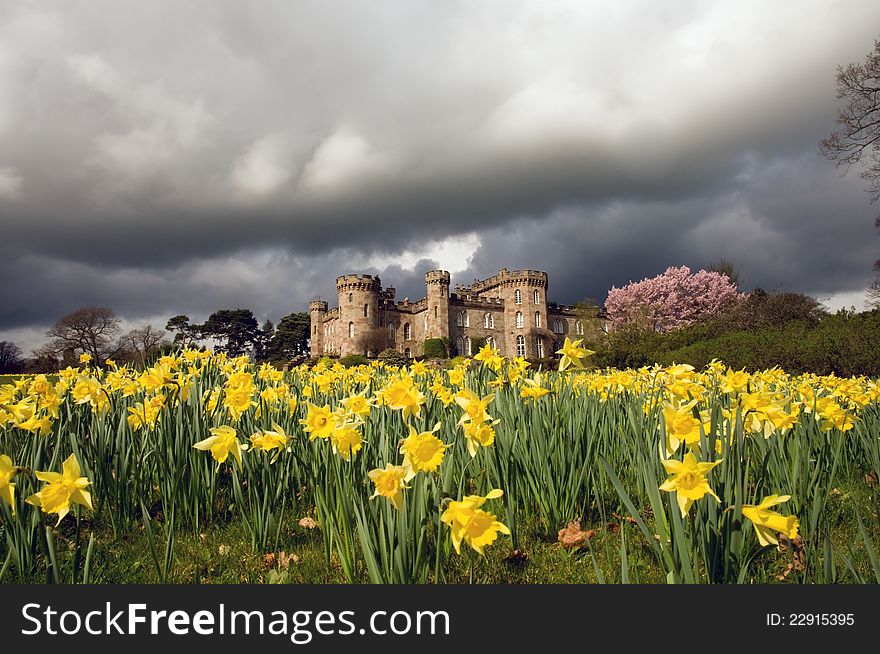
column 573, row 536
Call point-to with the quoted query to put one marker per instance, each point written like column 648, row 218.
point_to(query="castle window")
column 489, row 321
column 557, row 327
column 351, row 330
column 461, row 344
column 460, row 318
column 435, row 312
column 540, row 347
column 520, row 346
column 519, row 319
column 426, row 323
column 391, row 332
column 537, row 318
column 469, row 346
column 537, row 297
column 490, row 341
column 350, row 297
column 579, row 328
column 407, row 332
column 316, row 330
column 407, row 353
column 517, row 296
column 366, row 310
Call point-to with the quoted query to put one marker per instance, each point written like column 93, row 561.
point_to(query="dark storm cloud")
column 181, row 157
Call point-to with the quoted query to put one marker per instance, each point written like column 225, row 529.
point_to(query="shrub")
column 353, row 360
column 436, row 348
column 392, row 357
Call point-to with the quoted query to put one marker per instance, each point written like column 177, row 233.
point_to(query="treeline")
column 789, row 330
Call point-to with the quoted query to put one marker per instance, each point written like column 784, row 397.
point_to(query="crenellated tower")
column 358, row 310
column 317, row 313
column 437, row 283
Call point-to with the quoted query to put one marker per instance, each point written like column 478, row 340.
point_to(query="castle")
column 508, row 310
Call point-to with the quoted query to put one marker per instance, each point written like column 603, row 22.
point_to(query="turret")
column 437, row 283
column 317, row 312
column 358, row 310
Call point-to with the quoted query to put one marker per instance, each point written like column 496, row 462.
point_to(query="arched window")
column 426, row 322
column 519, row 319
column 557, row 326
column 407, row 332
column 435, row 310
column 459, row 320
column 489, row 321
column 351, row 330
column 315, row 330
column 350, row 297
column 366, row 310
column 517, row 296
column 407, row 353
column 539, row 342
column 461, row 345
column 391, row 332
column 537, row 297
column 520, row 346
column 537, row 318
column 490, row 341
column 579, row 328
column 469, row 345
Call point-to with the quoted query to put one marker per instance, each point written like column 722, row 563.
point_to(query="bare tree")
column 145, row 341
column 91, row 330
column 857, row 140
column 873, row 294
column 10, row 357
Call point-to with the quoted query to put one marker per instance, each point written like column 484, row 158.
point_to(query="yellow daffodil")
column 469, row 523
column 319, row 421
column 62, row 489
column 766, row 522
column 7, row 488
column 221, row 443
column 688, row 480
column 346, row 440
column 422, row 452
column 572, row 353
column 389, row 483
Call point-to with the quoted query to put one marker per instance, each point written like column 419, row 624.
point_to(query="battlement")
column 467, row 298
column 507, row 277
column 318, row 305
column 360, row 282
column 437, row 277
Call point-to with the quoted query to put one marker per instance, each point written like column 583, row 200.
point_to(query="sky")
column 161, row 158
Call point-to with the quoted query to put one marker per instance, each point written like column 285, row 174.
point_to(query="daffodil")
column 422, row 452
column 403, row 395
column 346, row 440
column 7, row 488
column 688, row 480
column 221, row 443
column 389, row 483
column 469, row 523
column 319, row 421
column 269, row 440
column 61, row 489
column 572, row 353
column 766, row 522
column 475, row 407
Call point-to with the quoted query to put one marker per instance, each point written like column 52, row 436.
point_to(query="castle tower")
column 437, row 282
column 317, row 312
column 358, row 310
column 525, row 293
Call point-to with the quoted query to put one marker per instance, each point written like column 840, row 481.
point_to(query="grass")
column 221, row 554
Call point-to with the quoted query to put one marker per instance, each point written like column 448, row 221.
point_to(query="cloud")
column 182, row 157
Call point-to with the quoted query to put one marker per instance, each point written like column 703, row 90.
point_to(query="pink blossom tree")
column 675, row 299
